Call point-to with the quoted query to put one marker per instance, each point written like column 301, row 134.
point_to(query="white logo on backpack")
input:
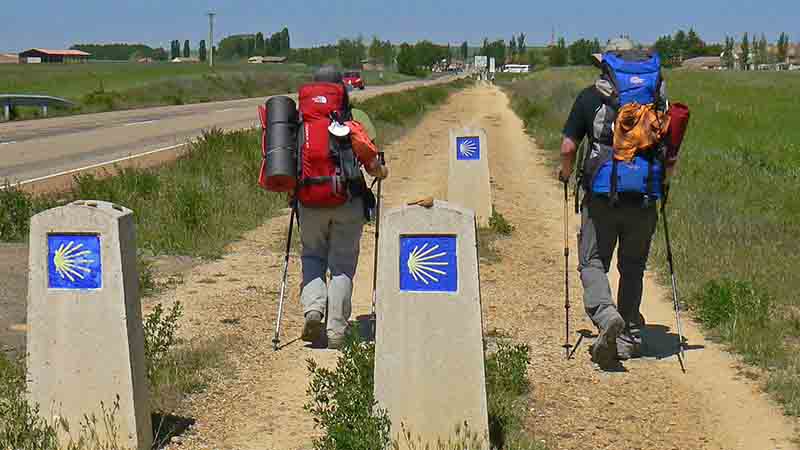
column 320, row 99
column 636, row 80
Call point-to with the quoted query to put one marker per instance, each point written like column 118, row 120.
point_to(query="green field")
column 112, row 86
column 734, row 207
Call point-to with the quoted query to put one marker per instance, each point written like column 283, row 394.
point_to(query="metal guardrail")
column 8, row 101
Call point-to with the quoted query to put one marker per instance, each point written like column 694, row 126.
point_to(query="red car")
column 354, row 80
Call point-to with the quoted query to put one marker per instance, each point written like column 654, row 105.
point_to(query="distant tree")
column 175, row 51
column 375, row 49
column 558, row 54
column 351, row 52
column 201, row 50
column 260, row 49
column 728, row 58
column 745, row 56
column 580, row 52
column 464, row 51
column 187, row 50
column 783, row 47
column 497, row 50
column 694, row 45
column 532, row 57
column 763, row 50
column 117, row 52
column 159, row 54
column 512, row 46
column 406, row 60
column 286, row 44
column 521, row 44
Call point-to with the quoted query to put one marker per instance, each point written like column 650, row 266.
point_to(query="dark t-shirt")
column 581, row 118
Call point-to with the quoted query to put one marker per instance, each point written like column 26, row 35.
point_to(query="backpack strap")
column 613, row 195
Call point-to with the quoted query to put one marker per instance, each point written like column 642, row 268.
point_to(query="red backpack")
column 327, row 166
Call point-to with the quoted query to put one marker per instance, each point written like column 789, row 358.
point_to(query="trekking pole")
column 566, row 345
column 276, row 340
column 675, row 303
column 377, row 235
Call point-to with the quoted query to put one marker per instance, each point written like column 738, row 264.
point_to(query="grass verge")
column 343, row 403
column 99, row 87
column 733, row 211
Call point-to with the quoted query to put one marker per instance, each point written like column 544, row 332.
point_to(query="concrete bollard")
column 429, row 367
column 85, row 338
column 468, row 179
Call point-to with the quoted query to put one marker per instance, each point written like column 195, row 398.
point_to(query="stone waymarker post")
column 468, row 179
column 85, row 338
column 429, row 372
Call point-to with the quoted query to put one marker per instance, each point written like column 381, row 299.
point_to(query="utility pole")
column 211, row 39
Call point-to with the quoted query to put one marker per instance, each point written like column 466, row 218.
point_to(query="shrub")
column 500, row 225
column 343, row 401
column 507, row 389
column 160, row 336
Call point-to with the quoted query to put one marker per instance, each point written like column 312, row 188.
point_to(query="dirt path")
column 257, row 404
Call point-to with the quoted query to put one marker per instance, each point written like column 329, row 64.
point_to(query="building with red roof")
column 42, row 55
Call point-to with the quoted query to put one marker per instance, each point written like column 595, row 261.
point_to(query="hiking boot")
column 335, row 340
column 604, row 350
column 629, row 344
column 313, row 327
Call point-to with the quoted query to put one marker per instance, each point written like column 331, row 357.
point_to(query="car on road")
column 354, row 80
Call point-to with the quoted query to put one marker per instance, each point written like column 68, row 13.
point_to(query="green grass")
column 97, row 87
column 734, row 211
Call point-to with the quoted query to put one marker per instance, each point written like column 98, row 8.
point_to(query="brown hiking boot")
column 604, row 350
column 313, row 327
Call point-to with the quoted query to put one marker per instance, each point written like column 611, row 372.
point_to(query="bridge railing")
column 8, row 101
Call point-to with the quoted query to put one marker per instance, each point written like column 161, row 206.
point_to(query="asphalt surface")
column 38, row 149
column 34, row 149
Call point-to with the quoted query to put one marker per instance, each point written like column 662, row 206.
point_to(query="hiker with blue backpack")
column 623, row 173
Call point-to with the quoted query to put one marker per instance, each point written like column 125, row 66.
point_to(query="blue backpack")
column 629, row 77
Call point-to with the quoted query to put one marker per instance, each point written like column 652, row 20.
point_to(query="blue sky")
column 61, row 23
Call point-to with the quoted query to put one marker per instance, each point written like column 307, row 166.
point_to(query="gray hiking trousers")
column 602, row 227
column 331, row 240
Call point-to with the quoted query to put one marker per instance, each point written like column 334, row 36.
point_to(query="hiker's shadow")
column 659, row 342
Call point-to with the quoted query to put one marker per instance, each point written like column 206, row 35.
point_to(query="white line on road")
column 225, row 110
column 106, row 163
column 8, row 143
column 144, row 122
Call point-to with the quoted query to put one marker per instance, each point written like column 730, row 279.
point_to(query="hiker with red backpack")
column 625, row 169
column 316, row 153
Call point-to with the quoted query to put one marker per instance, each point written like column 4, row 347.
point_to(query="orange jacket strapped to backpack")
column 638, row 128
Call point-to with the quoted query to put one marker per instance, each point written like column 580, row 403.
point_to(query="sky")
column 26, row 24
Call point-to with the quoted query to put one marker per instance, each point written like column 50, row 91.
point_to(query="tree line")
column 410, row 59
column 240, row 46
column 121, row 52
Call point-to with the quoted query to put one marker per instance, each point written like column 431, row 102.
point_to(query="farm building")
column 9, row 58
column 40, row 55
column 703, row 62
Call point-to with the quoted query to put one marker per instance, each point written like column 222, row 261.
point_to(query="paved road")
column 34, row 149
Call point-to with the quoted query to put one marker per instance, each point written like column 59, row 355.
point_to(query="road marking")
column 144, row 122
column 225, row 110
column 8, row 143
column 94, row 166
